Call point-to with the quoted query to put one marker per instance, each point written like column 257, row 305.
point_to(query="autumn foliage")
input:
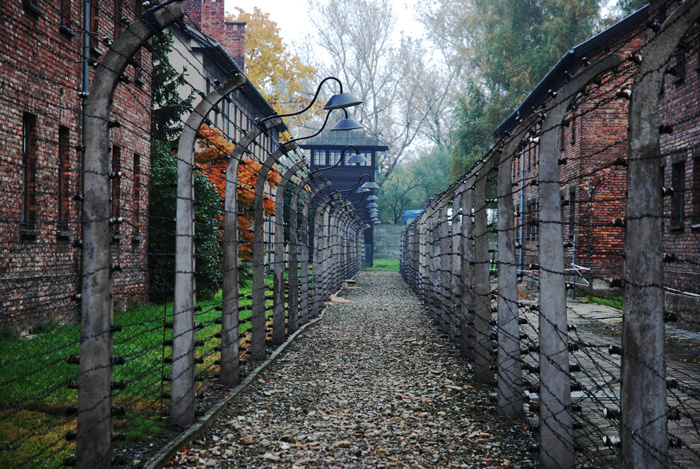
column 278, row 74
column 213, row 150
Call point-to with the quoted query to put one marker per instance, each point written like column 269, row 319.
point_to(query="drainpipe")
column 83, row 94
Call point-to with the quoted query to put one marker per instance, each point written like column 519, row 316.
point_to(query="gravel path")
column 373, row 384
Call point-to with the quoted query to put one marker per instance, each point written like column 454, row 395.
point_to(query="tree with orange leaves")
column 212, row 155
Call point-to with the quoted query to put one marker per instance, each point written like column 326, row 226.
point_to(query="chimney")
column 234, row 41
column 209, row 16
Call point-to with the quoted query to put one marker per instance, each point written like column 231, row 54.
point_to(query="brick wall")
column 209, row 15
column 594, row 184
column 679, row 111
column 40, row 80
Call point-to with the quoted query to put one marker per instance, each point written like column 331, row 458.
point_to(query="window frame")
column 677, row 211
column 63, row 180
column 29, row 147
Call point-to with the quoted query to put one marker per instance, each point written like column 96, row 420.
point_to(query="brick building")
column 592, row 160
column 212, row 50
column 44, row 74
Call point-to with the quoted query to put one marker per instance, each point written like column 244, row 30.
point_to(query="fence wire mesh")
column 549, row 214
column 92, row 230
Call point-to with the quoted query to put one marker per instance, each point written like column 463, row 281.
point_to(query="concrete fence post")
column 467, row 279
column 230, row 344
column 94, row 433
column 423, row 255
column 556, row 424
column 456, row 269
column 258, row 319
column 483, row 344
column 320, row 255
column 305, row 292
column 444, row 274
column 433, row 283
column 643, row 421
column 279, row 262
column 183, row 364
column 510, row 378
column 294, row 309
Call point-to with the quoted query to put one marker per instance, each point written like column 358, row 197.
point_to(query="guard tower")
column 326, row 150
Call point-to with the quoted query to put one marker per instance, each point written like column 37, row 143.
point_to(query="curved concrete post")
column 230, row 353
column 343, row 215
column 556, row 425
column 412, row 230
column 305, row 293
column 455, row 287
column 279, row 263
column 444, row 276
column 321, row 253
column 94, row 433
column 509, row 372
column 432, row 258
column 483, row 344
column 467, row 279
column 350, row 245
column 643, row 424
column 257, row 319
column 294, row 295
column 424, row 256
column 183, row 369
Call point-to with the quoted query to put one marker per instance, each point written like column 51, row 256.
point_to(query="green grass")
column 37, row 382
column 385, row 264
column 613, row 302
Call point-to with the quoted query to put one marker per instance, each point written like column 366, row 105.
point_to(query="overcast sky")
column 292, row 16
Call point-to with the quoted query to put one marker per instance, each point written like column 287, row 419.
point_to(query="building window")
column 677, row 196
column 64, row 12
column 29, row 151
column 678, row 70
column 63, row 178
column 138, row 57
column 118, row 15
column 137, row 193
column 333, row 157
column 33, row 7
column 94, row 27
column 561, row 136
column 319, row 157
column 572, row 126
column 368, row 159
column 696, row 188
column 572, row 212
column 116, row 181
column 534, row 219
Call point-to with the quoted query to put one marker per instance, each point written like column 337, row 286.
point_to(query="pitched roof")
column 329, row 138
column 216, row 52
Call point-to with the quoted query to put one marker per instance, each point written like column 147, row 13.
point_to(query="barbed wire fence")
column 83, row 394
column 575, row 184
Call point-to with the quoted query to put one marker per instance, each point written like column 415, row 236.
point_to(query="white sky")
column 292, row 18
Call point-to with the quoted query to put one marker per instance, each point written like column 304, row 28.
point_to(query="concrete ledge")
column 161, row 458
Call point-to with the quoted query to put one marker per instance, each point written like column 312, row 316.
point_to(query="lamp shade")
column 361, row 190
column 356, row 158
column 372, row 205
column 346, row 124
column 341, row 101
column 370, row 185
column 372, row 198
